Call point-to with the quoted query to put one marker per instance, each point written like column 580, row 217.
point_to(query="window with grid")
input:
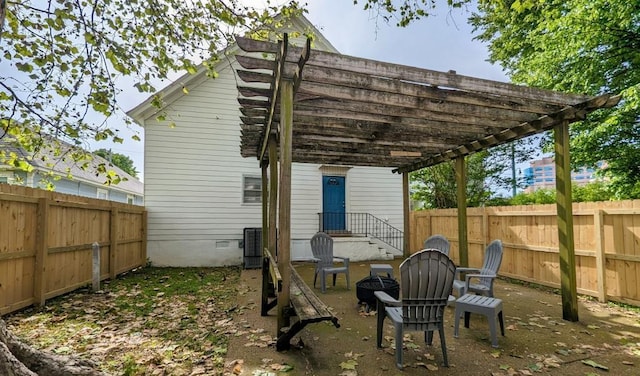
column 251, row 190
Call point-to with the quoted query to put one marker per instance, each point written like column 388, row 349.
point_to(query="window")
column 4, row 179
column 102, row 194
column 131, row 199
column 252, row 190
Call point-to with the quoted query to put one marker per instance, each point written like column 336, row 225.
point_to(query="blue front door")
column 333, row 195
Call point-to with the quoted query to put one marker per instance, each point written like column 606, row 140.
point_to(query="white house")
column 200, row 193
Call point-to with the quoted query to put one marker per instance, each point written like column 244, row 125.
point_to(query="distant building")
column 542, row 174
column 73, row 179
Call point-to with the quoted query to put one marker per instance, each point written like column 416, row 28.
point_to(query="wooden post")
column 284, row 212
column 42, row 244
column 486, row 236
column 265, row 207
column 273, row 196
column 601, row 260
column 144, row 239
column 565, row 224
column 95, row 267
column 461, row 187
column 406, row 211
column 270, row 235
column 113, row 239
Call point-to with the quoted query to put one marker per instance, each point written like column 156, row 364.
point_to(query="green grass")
column 162, row 320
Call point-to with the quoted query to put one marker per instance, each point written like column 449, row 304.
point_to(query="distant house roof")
column 174, row 91
column 62, row 164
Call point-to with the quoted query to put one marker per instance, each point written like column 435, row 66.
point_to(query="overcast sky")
column 440, row 42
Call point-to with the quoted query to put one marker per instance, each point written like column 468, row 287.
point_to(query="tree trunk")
column 20, row 359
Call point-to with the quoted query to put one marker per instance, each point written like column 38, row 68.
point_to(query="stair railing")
column 361, row 224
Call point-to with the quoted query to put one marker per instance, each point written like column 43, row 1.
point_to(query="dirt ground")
column 606, row 340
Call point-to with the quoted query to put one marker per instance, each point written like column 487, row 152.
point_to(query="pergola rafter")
column 463, row 114
column 343, row 110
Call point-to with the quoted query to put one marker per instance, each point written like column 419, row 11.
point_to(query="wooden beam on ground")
column 461, row 189
column 406, row 211
column 284, row 212
column 565, row 224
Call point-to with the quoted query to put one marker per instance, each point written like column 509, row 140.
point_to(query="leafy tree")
column 579, row 46
column 63, row 61
column 406, row 11
column 537, row 197
column 435, row 186
column 595, row 191
column 124, row 162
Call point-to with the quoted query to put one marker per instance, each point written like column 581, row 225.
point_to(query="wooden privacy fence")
column 607, row 243
column 46, row 243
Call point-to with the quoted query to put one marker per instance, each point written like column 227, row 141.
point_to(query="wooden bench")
column 304, row 304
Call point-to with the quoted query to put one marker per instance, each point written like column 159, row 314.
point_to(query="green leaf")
column 593, row 364
column 24, row 67
column 349, row 364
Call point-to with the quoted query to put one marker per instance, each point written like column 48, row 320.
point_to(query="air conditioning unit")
column 252, row 247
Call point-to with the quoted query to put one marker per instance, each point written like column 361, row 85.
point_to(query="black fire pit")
column 368, row 285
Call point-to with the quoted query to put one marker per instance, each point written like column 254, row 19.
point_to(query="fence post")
column 42, row 241
column 95, row 287
column 113, row 246
column 144, row 238
column 485, row 228
column 601, row 260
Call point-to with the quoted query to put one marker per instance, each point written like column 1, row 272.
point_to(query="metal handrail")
column 361, row 224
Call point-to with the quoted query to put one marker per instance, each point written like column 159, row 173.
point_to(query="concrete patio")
column 537, row 339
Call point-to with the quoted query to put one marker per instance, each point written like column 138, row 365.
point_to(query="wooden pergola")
column 309, row 106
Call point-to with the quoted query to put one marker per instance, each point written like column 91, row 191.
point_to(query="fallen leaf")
column 349, row 364
column 495, row 353
column 536, row 367
column 593, row 364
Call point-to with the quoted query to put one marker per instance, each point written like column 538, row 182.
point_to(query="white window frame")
column 254, row 186
column 131, row 199
column 102, row 194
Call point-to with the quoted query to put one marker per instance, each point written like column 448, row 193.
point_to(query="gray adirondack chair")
column 480, row 280
column 438, row 242
column 426, row 278
column 322, row 248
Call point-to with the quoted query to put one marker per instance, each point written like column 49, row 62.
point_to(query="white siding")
column 193, row 183
column 376, row 191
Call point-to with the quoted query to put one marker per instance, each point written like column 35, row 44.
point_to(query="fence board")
column 45, row 243
column 607, row 243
